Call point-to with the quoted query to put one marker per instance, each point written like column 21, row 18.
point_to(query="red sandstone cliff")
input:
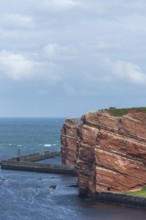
column 108, row 152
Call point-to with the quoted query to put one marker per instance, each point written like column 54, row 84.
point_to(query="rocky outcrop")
column 109, row 152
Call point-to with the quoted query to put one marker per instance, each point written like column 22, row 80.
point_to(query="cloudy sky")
column 67, row 57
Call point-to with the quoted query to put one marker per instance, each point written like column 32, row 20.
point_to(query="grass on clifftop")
column 141, row 193
column 123, row 111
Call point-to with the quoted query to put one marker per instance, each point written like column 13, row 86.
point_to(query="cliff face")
column 108, row 152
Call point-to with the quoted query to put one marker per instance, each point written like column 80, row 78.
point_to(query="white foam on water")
column 47, row 145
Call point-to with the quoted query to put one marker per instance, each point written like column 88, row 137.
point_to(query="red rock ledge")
column 109, row 152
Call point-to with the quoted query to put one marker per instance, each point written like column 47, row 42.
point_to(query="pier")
column 29, row 163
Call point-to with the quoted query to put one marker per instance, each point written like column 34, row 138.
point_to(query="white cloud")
column 64, row 3
column 16, row 21
column 103, row 45
column 55, row 51
column 22, row 68
column 57, row 4
column 79, row 47
column 132, row 22
column 127, row 71
column 51, row 50
column 16, row 66
column 88, row 63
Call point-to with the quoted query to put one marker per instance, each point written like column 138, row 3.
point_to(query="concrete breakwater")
column 118, row 198
column 28, row 163
column 38, row 167
column 36, row 157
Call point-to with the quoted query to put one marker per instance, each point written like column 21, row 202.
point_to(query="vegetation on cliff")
column 123, row 111
column 141, row 193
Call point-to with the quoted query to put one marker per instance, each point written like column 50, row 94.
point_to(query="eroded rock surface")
column 108, row 152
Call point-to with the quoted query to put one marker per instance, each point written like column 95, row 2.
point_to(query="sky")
column 63, row 58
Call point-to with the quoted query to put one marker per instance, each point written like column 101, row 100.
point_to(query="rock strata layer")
column 109, row 152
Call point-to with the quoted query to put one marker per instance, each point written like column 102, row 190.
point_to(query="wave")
column 18, row 145
column 47, row 145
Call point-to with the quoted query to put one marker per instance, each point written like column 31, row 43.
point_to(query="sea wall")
column 38, row 167
column 116, row 198
column 28, row 163
column 36, row 156
column 109, row 152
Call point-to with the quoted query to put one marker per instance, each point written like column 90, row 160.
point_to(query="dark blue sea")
column 29, row 195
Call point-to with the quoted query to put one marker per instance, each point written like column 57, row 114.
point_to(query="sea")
column 42, row 196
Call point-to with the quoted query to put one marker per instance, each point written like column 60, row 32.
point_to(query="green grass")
column 141, row 193
column 123, row 111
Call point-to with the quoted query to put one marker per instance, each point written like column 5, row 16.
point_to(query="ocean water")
column 29, row 195
column 29, row 135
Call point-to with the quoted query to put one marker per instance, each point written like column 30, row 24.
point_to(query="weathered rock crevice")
column 109, row 152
